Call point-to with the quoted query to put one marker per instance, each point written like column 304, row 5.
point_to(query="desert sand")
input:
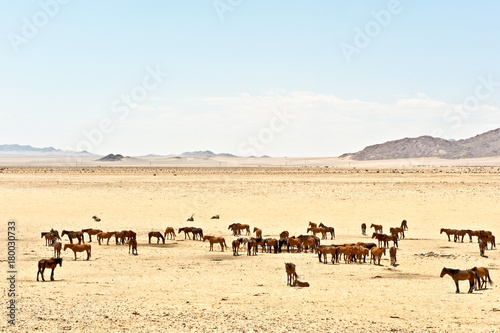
column 180, row 286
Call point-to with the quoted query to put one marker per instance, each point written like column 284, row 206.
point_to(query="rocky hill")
column 482, row 145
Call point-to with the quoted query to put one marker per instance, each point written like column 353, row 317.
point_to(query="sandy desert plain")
column 180, row 286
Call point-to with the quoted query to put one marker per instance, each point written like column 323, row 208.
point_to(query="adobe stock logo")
column 363, row 37
column 39, row 20
column 255, row 144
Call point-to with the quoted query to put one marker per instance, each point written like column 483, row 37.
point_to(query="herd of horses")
column 349, row 253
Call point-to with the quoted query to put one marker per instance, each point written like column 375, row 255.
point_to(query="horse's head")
column 58, row 261
column 64, row 232
column 443, row 272
column 374, row 235
column 66, row 246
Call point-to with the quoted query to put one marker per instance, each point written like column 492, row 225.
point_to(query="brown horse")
column 482, row 247
column 330, row 230
column 377, row 227
column 294, row 242
column 197, row 232
column 74, row 234
column 57, row 249
column 392, row 253
column 212, row 240
column 488, row 239
column 186, row 231
column 459, row 275
column 258, row 232
column 404, row 225
column 377, row 253
column 313, row 225
column 448, row 232
column 132, row 245
column 397, row 231
column 236, row 247
column 363, row 229
column 79, row 248
column 48, row 263
column 291, row 275
column 236, row 228
column 284, row 234
column 49, row 238
column 170, row 232
column 483, row 274
column 317, row 230
column 105, row 235
column 461, row 233
column 158, row 236
column 91, row 232
column 324, row 251
column 271, row 242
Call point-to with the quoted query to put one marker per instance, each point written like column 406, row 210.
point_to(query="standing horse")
column 79, row 248
column 459, row 275
column 186, row 231
column 91, row 232
column 197, row 232
column 57, row 249
column 377, row 227
column 48, row 263
column 330, row 230
column 483, row 274
column 132, row 244
column 212, row 239
column 170, row 232
column 74, row 234
column 258, row 232
column 363, row 229
column 392, row 253
column 236, row 247
column 291, row 275
column 404, row 225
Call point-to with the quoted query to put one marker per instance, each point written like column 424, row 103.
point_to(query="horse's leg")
column 456, row 283
column 52, row 274
column 43, row 270
column 75, row 253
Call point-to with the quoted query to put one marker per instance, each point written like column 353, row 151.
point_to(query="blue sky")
column 280, row 78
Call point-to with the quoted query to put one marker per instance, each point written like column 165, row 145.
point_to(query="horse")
column 483, row 274
column 461, row 233
column 397, row 231
column 242, row 241
column 482, row 247
column 317, row 230
column 79, row 248
column 377, row 228
column 258, row 232
column 459, row 275
column 284, row 234
column 392, row 253
column 377, row 253
column 271, row 242
column 74, row 234
column 294, row 242
column 252, row 245
column 212, row 239
column 55, row 233
column 132, row 244
column 186, row 231
column 291, row 275
column 380, row 238
column 191, row 219
column 488, row 239
column 313, row 225
column 387, row 239
column 48, row 263
column 404, row 225
column 237, row 227
column 215, row 217
column 236, row 247
column 91, row 232
column 325, row 250
column 363, row 229
column 330, row 230
column 105, row 235
column 96, row 218
column 156, row 234
column 448, row 232
column 57, row 249
column 49, row 238
column 197, row 232
column 170, row 232
column 308, row 238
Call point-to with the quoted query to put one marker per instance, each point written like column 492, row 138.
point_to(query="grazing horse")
column 330, row 230
column 459, row 275
column 91, row 232
column 404, row 225
column 215, row 217
column 258, row 232
column 57, row 249
column 132, row 244
column 74, row 234
column 79, row 248
column 488, row 239
column 325, row 250
column 392, row 253
column 482, row 247
column 158, row 236
column 186, row 231
column 49, row 238
column 377, row 228
column 170, row 232
column 363, row 229
column 291, row 275
column 317, row 230
column 105, row 235
column 48, row 263
column 377, row 253
column 448, row 233
column 483, row 274
column 236, row 247
column 284, row 234
column 96, row 218
column 219, row 240
column 191, row 219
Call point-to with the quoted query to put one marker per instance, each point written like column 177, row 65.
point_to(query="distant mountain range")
column 482, row 145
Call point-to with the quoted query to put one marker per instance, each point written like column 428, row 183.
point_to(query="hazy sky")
column 280, row 78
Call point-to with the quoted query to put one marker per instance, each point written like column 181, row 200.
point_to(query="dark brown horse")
column 330, row 230
column 91, row 232
column 363, row 229
column 74, row 234
column 404, row 225
column 48, row 263
column 459, row 275
column 156, row 234
column 186, row 231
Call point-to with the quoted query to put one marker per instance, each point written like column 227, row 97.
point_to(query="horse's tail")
column 478, row 280
column 489, row 279
column 333, row 233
